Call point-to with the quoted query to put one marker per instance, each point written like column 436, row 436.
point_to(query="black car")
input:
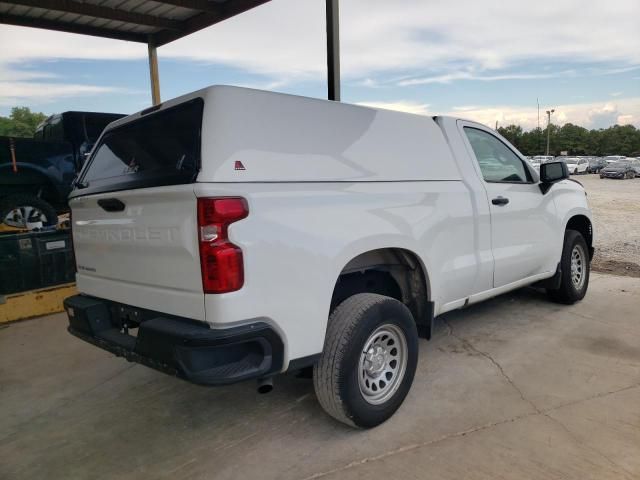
column 596, row 164
column 621, row 169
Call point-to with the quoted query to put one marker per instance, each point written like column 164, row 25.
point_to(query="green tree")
column 572, row 139
column 533, row 142
column 620, row 140
column 22, row 122
column 575, row 140
column 513, row 133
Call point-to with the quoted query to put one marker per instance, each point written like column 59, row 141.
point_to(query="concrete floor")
column 514, row 388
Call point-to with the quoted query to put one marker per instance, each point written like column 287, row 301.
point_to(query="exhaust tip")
column 265, row 385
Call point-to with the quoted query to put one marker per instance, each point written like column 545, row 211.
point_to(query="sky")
column 486, row 60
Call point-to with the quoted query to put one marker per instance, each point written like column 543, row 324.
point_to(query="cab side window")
column 497, row 162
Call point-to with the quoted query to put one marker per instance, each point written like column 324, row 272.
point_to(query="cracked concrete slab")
column 609, row 425
column 548, row 452
column 516, row 388
column 558, row 354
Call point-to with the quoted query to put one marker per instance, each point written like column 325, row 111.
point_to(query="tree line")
column 575, row 140
column 21, row 122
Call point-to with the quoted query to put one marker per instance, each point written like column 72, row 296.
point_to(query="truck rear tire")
column 575, row 265
column 21, row 205
column 368, row 361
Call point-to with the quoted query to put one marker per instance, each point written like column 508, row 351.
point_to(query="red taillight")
column 221, row 261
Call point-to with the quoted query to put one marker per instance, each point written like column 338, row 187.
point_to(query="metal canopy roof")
column 155, row 22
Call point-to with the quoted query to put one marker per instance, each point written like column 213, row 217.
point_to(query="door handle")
column 111, row 204
column 500, row 201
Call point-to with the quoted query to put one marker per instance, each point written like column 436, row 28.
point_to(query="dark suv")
column 36, row 173
column 596, row 164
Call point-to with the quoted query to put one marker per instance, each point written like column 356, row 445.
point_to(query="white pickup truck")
column 233, row 233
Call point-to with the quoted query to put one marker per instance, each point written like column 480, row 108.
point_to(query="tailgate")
column 145, row 255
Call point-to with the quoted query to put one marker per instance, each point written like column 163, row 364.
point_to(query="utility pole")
column 539, row 131
column 153, row 72
column 549, row 112
column 333, row 50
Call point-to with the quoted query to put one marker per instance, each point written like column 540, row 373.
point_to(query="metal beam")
column 333, row 50
column 154, row 74
column 71, row 28
column 201, row 5
column 98, row 11
column 198, row 22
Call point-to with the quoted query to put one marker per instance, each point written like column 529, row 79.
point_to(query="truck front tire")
column 368, row 361
column 575, row 265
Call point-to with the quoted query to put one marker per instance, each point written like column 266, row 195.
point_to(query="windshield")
column 620, row 163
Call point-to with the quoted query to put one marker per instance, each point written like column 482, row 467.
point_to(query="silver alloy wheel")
column 20, row 216
column 383, row 363
column 578, row 267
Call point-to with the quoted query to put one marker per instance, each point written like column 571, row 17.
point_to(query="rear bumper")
column 181, row 347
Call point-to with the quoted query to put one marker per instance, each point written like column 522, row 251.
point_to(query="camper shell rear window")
column 161, row 148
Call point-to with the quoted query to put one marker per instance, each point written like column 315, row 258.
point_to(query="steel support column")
column 153, row 74
column 333, row 51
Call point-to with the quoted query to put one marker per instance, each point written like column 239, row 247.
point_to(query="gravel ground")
column 616, row 215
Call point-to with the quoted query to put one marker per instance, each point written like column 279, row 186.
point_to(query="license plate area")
column 127, row 319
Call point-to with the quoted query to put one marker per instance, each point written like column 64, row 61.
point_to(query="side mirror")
column 551, row 173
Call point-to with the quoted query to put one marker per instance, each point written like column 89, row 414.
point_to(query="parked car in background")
column 358, row 227
column 621, row 169
column 36, row 173
column 535, row 163
column 596, row 164
column 544, row 158
column 576, row 165
column 613, row 158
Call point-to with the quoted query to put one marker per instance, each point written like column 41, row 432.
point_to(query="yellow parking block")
column 6, row 228
column 34, row 303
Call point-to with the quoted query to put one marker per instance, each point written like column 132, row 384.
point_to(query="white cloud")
column 287, row 37
column 589, row 115
column 24, row 75
column 18, row 44
column 465, row 108
column 450, row 77
column 628, row 119
column 19, row 93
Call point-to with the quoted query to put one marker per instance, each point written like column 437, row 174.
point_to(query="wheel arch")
column 582, row 224
column 395, row 272
column 30, row 179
